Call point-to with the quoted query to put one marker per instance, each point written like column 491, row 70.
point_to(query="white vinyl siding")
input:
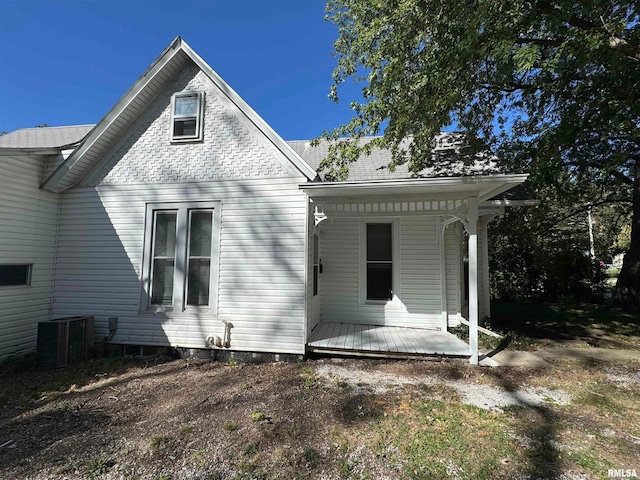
column 261, row 284
column 262, row 228
column 312, row 303
column 420, row 296
column 483, row 266
column 28, row 220
column 453, row 258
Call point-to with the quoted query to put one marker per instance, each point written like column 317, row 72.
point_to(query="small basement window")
column 186, row 117
column 15, row 275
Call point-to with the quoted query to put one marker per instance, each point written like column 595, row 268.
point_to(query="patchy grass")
column 215, row 420
column 435, row 439
column 55, row 383
column 230, row 426
column 98, row 466
column 186, row 429
column 530, row 325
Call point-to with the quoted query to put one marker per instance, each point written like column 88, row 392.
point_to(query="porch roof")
column 484, row 187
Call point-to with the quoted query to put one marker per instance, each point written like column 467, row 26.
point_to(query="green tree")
column 552, row 87
column 543, row 253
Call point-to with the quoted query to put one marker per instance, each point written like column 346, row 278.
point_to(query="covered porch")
column 386, row 264
column 380, row 340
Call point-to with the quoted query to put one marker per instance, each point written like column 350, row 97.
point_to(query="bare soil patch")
column 319, row 419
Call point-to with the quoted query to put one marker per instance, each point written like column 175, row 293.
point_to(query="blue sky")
column 67, row 62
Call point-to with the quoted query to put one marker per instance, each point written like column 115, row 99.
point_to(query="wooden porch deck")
column 380, row 340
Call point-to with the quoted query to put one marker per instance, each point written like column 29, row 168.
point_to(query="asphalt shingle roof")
column 371, row 167
column 45, row 137
column 375, row 165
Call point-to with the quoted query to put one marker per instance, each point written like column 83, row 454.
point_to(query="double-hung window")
column 380, row 262
column 186, row 116
column 180, row 267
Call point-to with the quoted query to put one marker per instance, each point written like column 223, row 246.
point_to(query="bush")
column 528, row 262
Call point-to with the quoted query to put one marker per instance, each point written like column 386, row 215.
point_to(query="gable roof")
column 375, row 165
column 50, row 140
column 133, row 103
column 44, row 139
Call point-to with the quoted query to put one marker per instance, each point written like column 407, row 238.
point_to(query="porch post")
column 472, row 230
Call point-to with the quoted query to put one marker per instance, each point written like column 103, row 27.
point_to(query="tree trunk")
column 627, row 293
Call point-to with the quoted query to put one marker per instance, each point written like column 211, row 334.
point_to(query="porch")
column 384, row 341
column 386, row 264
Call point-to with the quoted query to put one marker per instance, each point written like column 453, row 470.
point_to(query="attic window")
column 186, row 117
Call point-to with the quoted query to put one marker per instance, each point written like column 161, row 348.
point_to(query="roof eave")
column 52, row 182
column 9, row 152
column 513, row 203
column 177, row 45
column 472, row 185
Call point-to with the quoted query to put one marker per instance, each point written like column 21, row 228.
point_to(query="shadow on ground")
column 595, row 325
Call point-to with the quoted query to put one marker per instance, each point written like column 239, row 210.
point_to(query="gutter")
column 416, row 182
column 9, row 152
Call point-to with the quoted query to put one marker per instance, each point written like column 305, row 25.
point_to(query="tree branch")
column 616, row 43
column 614, row 173
column 510, row 88
column 544, row 42
column 622, row 177
column 585, row 208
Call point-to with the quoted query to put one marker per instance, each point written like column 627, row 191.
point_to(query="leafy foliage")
column 539, row 264
column 544, row 253
column 552, row 87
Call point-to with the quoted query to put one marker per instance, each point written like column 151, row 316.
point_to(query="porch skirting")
column 382, row 340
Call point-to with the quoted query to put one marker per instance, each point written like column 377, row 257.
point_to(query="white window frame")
column 199, row 118
column 180, row 274
column 395, row 301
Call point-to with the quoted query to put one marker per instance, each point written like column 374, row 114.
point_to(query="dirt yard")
column 320, row 419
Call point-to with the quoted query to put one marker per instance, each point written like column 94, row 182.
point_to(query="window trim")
column 180, row 278
column 395, row 302
column 19, row 264
column 199, row 118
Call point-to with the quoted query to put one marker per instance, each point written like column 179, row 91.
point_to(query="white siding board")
column 28, row 221
column 263, row 222
column 419, row 274
column 52, row 162
column 261, row 286
column 483, row 263
column 453, row 247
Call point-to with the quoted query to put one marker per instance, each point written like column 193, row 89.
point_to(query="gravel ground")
column 485, row 396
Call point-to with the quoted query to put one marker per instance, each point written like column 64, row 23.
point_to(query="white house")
column 184, row 216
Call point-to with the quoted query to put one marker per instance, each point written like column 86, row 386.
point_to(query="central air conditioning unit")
column 64, row 341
